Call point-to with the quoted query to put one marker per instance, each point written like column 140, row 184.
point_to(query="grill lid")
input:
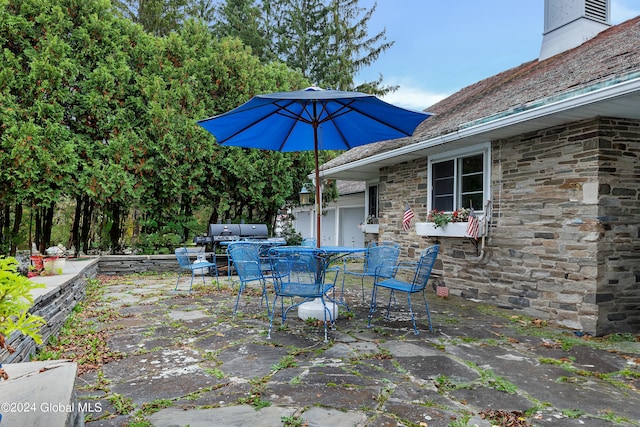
column 226, row 232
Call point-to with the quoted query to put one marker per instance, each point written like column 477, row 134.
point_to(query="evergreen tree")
column 204, row 10
column 351, row 48
column 158, row 17
column 327, row 40
column 302, row 39
column 243, row 19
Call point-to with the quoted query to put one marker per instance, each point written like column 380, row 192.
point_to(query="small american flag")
column 473, row 225
column 408, row 216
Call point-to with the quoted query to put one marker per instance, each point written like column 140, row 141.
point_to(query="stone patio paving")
column 183, row 359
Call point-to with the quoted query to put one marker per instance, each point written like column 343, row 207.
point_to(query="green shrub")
column 15, row 301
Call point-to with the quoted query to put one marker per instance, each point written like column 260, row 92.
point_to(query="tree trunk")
column 4, row 225
column 44, row 223
column 187, row 209
column 87, row 213
column 74, row 238
column 116, row 227
column 17, row 220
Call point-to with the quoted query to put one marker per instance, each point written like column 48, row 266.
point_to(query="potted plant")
column 55, row 260
column 15, row 301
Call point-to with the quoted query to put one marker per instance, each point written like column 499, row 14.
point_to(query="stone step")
column 40, row 394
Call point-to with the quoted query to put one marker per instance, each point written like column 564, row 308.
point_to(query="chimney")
column 569, row 23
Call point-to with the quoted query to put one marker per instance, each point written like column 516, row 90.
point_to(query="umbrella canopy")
column 312, row 119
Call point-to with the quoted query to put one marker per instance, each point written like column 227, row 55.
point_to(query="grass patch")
column 149, row 408
column 293, row 421
column 573, row 413
column 258, row 388
column 81, row 339
column 122, row 405
column 288, row 361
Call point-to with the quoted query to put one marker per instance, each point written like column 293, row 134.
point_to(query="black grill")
column 232, row 232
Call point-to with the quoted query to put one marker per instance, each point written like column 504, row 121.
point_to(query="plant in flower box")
column 439, row 218
column 460, row 215
column 371, row 219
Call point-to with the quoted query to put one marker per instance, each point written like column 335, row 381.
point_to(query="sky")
column 443, row 46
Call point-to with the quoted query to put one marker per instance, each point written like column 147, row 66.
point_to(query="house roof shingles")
column 614, row 52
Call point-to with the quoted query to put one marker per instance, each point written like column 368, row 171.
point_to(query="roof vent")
column 569, row 23
column 598, row 10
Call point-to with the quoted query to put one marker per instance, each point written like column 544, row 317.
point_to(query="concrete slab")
column 238, row 416
column 40, row 394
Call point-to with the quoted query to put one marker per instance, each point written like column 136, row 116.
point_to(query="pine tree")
column 243, row 19
column 351, row 48
column 157, row 17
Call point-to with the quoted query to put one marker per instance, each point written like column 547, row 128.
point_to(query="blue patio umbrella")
column 312, row 119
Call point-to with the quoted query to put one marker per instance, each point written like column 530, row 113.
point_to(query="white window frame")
column 485, row 149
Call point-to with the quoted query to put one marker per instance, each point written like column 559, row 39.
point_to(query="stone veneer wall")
column 564, row 242
column 116, row 265
column 618, row 296
column 54, row 306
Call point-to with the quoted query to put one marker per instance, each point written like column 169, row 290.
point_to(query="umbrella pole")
column 318, row 213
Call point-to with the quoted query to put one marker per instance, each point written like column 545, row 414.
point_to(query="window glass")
column 471, row 182
column 458, row 183
column 373, row 201
column 443, row 180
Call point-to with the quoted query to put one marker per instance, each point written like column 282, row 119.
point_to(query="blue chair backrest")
column 309, row 242
column 381, row 258
column 425, row 265
column 302, row 268
column 183, row 257
column 246, row 260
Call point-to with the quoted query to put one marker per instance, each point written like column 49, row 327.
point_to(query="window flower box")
column 371, row 228
column 453, row 229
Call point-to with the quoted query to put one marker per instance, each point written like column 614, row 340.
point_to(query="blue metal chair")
column 309, row 242
column 182, row 254
column 368, row 265
column 246, row 260
column 298, row 273
column 418, row 284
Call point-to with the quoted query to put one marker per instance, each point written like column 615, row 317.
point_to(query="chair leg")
column 326, row 310
column 178, row 281
column 413, row 319
column 273, row 313
column 283, row 314
column 426, row 306
column 373, row 304
column 215, row 268
column 238, row 297
column 333, row 298
column 265, row 296
column 193, row 273
column 344, row 276
column 392, row 295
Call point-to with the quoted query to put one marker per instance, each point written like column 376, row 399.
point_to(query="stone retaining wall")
column 54, row 304
column 130, row 264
